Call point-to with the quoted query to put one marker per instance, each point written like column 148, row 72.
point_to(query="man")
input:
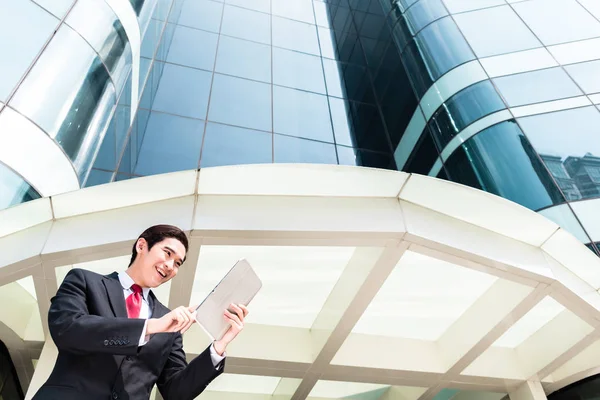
column 115, row 340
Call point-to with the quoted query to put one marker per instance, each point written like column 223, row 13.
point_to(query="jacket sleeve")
column 182, row 381
column 74, row 330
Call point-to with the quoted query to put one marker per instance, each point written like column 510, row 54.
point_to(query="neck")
column 134, row 272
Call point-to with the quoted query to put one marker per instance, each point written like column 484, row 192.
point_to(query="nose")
column 170, row 264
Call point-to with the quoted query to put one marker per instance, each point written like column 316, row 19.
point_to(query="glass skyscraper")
column 500, row 95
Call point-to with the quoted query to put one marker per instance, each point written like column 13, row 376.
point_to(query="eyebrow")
column 174, row 252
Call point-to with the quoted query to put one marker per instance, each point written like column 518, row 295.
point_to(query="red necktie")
column 134, row 302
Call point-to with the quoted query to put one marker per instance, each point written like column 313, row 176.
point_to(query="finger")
column 182, row 320
column 192, row 308
column 245, row 309
column 237, row 310
column 190, row 322
column 233, row 317
column 234, row 325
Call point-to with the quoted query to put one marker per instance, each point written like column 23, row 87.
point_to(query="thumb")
column 192, row 308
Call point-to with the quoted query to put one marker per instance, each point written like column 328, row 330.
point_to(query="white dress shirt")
column 146, row 312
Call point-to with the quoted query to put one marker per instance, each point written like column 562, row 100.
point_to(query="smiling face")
column 155, row 266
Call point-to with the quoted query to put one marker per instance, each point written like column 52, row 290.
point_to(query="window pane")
column 151, row 38
column 561, row 20
column 70, row 97
column 587, row 75
column 193, row 48
column 462, row 109
column 423, row 156
column 588, row 214
column 244, row 59
column 258, row 5
column 423, row 13
column 295, row 35
column 564, row 217
column 500, row 160
column 457, row 6
column 13, row 189
column 342, row 121
column 228, row 145
column 300, row 10
column 201, row 14
column 97, row 177
column 247, row 24
column 536, row 86
column 297, row 70
column 326, row 41
column 369, row 132
column 301, row 114
column 321, row 14
column 170, row 144
column 183, row 91
column 295, row 150
column 58, row 8
column 333, row 77
column 32, row 26
column 364, row 158
column 496, row 30
column 568, row 143
column 240, row 102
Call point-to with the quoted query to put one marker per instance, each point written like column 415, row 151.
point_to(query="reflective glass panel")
column 496, row 30
column 246, row 24
column 364, row 158
column 587, row 75
column 500, row 160
column 342, row 121
column 299, row 10
column 68, row 93
column 423, row 156
column 536, row 86
column 327, row 42
column 568, row 143
column 193, row 48
column 106, row 35
column 170, row 144
column 183, row 91
column 58, row 8
column 296, row 150
column 369, row 131
column 13, row 189
column 564, row 217
column 151, row 38
column 240, row 102
column 98, row 177
column 423, row 13
column 457, row 6
column 321, row 14
column 32, row 26
column 257, row 5
column 462, row 109
column 298, row 70
column 229, row 145
column 294, row 35
column 301, row 114
column 333, row 78
column 202, row 14
column 244, row 59
column 561, row 20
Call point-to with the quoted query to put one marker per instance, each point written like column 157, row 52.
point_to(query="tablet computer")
column 238, row 286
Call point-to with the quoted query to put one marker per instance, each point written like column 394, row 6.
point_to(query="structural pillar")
column 43, row 368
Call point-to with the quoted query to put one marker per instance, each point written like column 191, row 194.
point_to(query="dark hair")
column 158, row 233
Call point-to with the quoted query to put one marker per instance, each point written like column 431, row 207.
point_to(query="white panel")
column 302, row 180
column 123, row 224
column 124, row 11
column 514, row 63
column 340, row 390
column 409, row 138
column 125, row 193
column 13, row 249
column 34, row 155
column 450, row 84
column 574, row 52
column 588, row 212
column 474, row 129
column 565, row 104
column 25, row 215
column 498, row 215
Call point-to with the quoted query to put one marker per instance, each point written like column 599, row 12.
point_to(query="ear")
column 141, row 245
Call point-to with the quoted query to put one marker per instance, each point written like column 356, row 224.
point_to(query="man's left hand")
column 235, row 318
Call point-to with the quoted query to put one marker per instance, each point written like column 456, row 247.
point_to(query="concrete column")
column 43, row 368
column 530, row 390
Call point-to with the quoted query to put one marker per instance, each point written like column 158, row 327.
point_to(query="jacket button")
column 112, row 342
column 115, row 395
column 128, row 358
column 106, row 342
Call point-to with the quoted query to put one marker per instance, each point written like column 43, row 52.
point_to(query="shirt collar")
column 126, row 282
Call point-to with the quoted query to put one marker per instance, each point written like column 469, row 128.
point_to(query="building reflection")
column 577, row 177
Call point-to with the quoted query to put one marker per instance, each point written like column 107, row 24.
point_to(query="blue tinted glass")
column 369, row 131
column 183, row 91
column 244, row 59
column 301, row 114
column 240, row 102
column 193, row 48
column 151, row 38
column 462, row 109
column 97, row 177
column 295, row 35
column 364, row 158
column 327, row 42
column 333, row 77
column 13, row 189
column 170, row 144
column 201, row 14
column 144, row 69
column 500, row 160
column 342, row 121
column 246, row 24
column 31, row 26
column 229, row 145
column 442, row 47
column 425, row 12
column 107, row 156
column 298, row 70
column 536, row 86
column 257, row 5
column 587, row 75
column 321, row 14
column 295, row 150
column 423, row 156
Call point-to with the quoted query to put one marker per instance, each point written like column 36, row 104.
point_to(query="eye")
column 168, row 253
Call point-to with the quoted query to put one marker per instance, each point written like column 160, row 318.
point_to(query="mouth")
column 161, row 273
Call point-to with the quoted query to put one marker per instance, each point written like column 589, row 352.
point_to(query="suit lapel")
column 114, row 291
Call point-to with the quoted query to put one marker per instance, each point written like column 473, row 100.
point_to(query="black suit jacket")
column 98, row 352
